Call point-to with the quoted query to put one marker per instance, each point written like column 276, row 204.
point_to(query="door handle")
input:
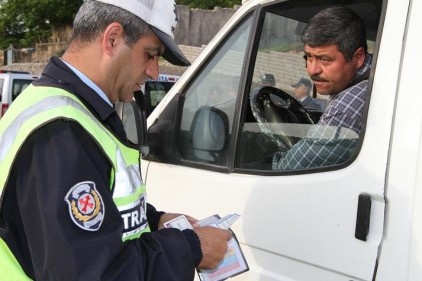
column 363, row 217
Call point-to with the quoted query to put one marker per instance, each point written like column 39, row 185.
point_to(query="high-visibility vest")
column 37, row 106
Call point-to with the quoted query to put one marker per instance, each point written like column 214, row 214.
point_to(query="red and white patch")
column 86, row 206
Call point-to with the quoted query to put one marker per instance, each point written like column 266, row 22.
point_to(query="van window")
column 279, row 132
column 248, row 84
column 216, row 88
column 18, row 86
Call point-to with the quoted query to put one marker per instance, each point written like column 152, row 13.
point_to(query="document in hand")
column 234, row 262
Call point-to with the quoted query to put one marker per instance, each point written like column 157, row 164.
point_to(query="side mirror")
column 209, row 129
column 210, row 133
column 205, row 140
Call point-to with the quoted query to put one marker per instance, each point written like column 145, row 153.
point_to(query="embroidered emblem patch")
column 86, row 207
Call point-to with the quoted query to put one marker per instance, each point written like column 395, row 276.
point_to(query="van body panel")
column 401, row 251
column 301, row 225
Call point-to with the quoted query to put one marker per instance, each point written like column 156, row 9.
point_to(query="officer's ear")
column 111, row 37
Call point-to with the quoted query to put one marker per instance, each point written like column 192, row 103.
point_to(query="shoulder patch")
column 86, row 207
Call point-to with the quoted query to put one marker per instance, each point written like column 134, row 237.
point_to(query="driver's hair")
column 338, row 26
column 93, row 17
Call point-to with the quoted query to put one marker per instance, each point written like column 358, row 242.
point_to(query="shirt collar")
column 365, row 67
column 361, row 74
column 89, row 83
column 58, row 74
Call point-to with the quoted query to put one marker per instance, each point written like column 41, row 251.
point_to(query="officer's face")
column 136, row 64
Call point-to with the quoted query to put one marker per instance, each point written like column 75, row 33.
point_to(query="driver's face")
column 329, row 69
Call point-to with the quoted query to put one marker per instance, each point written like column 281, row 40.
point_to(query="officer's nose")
column 152, row 70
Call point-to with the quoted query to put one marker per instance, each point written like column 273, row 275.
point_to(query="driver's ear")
column 359, row 57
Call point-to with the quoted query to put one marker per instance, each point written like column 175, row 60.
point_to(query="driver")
column 338, row 63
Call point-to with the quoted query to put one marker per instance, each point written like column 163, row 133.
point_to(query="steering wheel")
column 271, row 105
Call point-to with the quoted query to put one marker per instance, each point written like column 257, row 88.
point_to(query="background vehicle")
column 12, row 83
column 155, row 90
column 355, row 220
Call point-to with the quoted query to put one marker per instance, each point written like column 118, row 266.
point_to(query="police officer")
column 267, row 79
column 73, row 204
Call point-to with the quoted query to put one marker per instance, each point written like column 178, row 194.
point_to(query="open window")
column 274, row 135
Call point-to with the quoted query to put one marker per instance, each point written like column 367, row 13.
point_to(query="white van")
column 12, row 83
column 357, row 220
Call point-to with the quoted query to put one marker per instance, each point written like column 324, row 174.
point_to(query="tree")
column 25, row 22
column 209, row 4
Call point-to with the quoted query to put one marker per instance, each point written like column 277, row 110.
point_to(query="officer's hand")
column 213, row 245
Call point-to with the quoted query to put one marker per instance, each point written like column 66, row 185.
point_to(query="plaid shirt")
column 333, row 140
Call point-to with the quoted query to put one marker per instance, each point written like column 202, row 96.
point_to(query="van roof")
column 369, row 11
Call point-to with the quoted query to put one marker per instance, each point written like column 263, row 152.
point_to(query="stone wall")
column 37, row 67
column 285, row 76
column 197, row 27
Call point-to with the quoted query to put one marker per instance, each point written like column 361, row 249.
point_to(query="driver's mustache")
column 317, row 78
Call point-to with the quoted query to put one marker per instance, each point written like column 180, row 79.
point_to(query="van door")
column 212, row 153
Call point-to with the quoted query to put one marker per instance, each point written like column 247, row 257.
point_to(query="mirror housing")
column 205, row 141
column 209, row 134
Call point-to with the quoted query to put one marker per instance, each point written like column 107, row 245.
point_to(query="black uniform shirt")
column 35, row 221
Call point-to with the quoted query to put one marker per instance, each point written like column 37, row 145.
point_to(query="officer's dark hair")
column 93, row 17
column 338, row 26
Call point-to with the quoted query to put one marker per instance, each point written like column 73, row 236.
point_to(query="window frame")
column 258, row 17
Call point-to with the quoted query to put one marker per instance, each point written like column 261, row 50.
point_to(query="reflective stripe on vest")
column 37, row 106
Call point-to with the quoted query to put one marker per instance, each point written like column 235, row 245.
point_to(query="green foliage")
column 209, row 4
column 25, row 22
